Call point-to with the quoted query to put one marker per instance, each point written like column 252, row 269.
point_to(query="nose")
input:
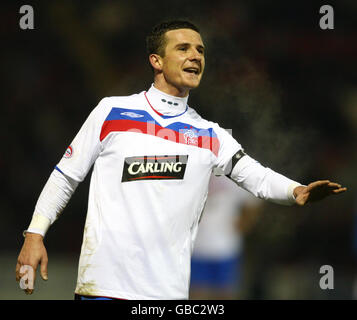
column 195, row 55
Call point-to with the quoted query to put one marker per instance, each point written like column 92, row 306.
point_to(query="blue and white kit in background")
column 153, row 156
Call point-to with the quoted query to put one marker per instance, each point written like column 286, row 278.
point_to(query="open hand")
column 316, row 191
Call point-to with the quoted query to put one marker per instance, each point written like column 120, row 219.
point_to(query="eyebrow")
column 188, row 44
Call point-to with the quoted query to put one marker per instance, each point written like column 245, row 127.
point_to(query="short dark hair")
column 156, row 42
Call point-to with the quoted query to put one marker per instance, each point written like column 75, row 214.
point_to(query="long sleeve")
column 71, row 169
column 53, row 199
column 263, row 182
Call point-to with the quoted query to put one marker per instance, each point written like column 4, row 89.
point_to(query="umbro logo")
column 132, row 114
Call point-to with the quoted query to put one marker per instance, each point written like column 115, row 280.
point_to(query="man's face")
column 183, row 62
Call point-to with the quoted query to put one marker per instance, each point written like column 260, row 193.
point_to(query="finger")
column 334, row 185
column 23, row 271
column 17, row 271
column 319, row 183
column 340, row 190
column 43, row 270
column 28, row 291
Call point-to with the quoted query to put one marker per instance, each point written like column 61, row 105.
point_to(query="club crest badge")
column 190, row 137
column 68, row 153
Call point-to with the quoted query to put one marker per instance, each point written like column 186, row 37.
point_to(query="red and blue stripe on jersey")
column 140, row 121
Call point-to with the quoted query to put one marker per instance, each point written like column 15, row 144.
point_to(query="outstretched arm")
column 316, row 191
column 267, row 184
column 261, row 181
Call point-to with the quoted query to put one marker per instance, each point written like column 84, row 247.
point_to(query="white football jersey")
column 153, row 157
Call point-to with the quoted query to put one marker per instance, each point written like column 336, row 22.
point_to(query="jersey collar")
column 165, row 105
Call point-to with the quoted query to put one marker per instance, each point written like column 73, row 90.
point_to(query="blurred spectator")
column 216, row 267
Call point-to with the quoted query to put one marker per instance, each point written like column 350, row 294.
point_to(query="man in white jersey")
column 152, row 156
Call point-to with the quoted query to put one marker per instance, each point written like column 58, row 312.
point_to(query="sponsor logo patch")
column 68, row 152
column 167, row 167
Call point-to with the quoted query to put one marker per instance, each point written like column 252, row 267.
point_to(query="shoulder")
column 121, row 101
column 108, row 104
column 194, row 116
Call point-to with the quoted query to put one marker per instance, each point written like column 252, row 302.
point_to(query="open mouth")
column 192, row 70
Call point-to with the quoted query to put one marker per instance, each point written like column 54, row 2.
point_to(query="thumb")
column 302, row 199
column 43, row 270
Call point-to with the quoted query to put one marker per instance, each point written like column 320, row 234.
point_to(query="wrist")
column 33, row 236
column 39, row 225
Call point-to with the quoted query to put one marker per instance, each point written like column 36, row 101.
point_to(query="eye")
column 182, row 48
column 200, row 50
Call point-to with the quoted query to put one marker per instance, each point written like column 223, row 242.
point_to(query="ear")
column 156, row 61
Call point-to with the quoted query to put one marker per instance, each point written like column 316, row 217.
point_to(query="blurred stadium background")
column 285, row 87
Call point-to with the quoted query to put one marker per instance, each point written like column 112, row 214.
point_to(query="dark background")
column 285, row 87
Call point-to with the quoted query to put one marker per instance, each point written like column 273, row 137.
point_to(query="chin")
column 192, row 84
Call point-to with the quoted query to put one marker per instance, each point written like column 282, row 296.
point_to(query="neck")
column 170, row 89
column 165, row 103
